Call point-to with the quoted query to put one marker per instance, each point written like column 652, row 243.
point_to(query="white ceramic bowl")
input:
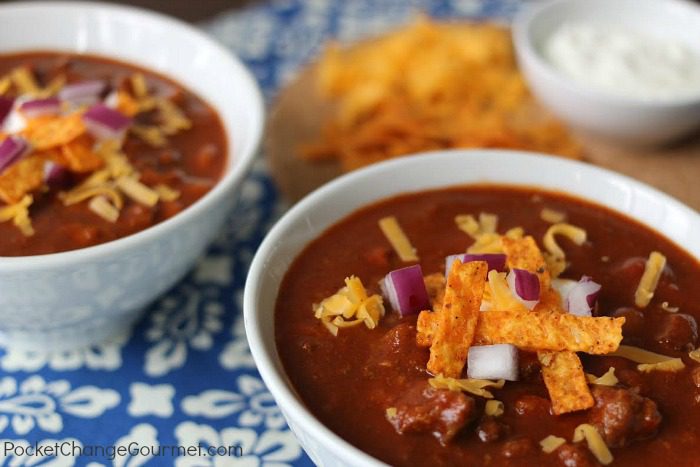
column 80, row 297
column 335, row 200
column 622, row 118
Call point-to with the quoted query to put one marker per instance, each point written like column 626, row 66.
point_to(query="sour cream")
column 624, row 62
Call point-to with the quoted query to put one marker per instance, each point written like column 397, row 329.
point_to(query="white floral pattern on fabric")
column 270, row 449
column 151, row 400
column 253, row 404
column 105, row 356
column 177, row 325
column 143, row 435
column 36, row 402
column 20, row 458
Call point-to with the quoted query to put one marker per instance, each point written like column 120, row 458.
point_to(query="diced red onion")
column 105, row 123
column 563, row 287
column 582, row 297
column 6, row 104
column 405, row 290
column 495, row 261
column 499, row 361
column 525, row 286
column 84, row 92
column 39, row 107
column 11, row 149
column 54, row 174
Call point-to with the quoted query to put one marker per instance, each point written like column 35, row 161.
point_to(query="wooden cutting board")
column 299, row 111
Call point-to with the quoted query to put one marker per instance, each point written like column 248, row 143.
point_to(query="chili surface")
column 190, row 162
column 350, row 380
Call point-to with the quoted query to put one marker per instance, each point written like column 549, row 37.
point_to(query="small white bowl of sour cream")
column 623, row 69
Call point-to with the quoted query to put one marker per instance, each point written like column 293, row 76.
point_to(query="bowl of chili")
column 125, row 134
column 331, row 312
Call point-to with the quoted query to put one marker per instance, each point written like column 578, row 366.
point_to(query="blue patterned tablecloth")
column 184, row 376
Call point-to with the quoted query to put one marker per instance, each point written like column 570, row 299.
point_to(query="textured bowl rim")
column 233, row 174
column 277, row 382
column 526, row 50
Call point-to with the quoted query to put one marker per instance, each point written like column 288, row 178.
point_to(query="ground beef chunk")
column 490, row 430
column 396, row 349
column 532, row 406
column 622, row 415
column 518, row 447
column 677, row 331
column 576, row 455
column 633, row 329
column 441, row 412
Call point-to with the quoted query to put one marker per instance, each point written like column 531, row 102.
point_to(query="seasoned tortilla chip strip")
column 21, row 178
column 48, row 132
column 458, row 319
column 545, row 331
column 79, row 157
column 566, row 382
column 435, row 285
column 563, row 373
column 523, row 253
column 425, row 327
column 550, row 330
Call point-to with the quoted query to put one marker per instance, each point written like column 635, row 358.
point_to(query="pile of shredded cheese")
column 63, row 140
column 350, row 306
column 470, row 385
column 484, row 232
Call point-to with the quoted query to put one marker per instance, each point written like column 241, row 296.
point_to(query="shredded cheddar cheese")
column 166, row 193
column 494, row 408
column 468, row 224
column 555, row 256
column 24, row 80
column 638, row 355
column 398, row 239
column 472, row 386
column 103, row 208
column 484, row 232
column 667, row 307
column 551, row 443
column 500, row 296
column 608, row 379
column 152, row 135
column 695, row 354
column 488, row 222
column 137, row 191
column 18, row 213
column 350, row 306
column 650, row 279
column 648, row 361
column 5, row 83
column 672, row 365
column 552, row 216
column 595, row 442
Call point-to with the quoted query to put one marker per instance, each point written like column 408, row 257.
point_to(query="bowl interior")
column 148, row 39
column 306, row 220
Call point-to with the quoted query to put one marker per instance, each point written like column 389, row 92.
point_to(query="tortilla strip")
column 562, row 372
column 547, row 331
column 550, row 330
column 458, row 320
column 21, row 178
column 523, row 253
